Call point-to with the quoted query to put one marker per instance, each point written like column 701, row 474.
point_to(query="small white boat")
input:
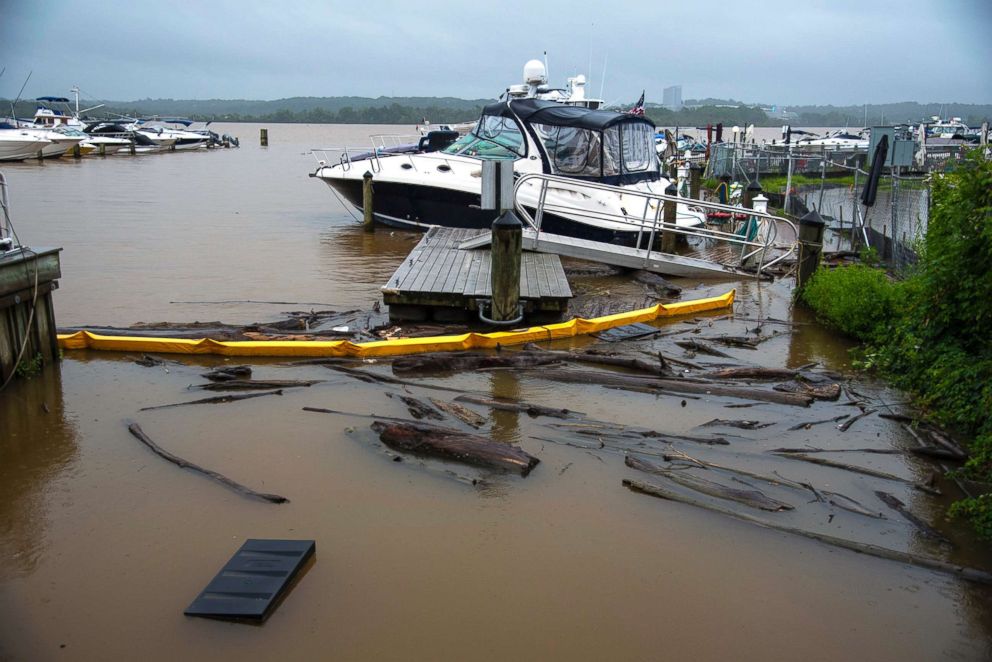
column 17, row 144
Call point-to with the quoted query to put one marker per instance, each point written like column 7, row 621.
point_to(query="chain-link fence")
column 750, row 162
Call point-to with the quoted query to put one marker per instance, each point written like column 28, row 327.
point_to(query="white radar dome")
column 534, row 73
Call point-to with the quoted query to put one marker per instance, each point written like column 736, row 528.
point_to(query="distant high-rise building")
column 672, row 97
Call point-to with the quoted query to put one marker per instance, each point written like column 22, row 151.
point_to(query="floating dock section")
column 27, row 318
column 438, row 280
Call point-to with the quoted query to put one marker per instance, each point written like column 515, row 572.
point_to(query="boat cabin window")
column 571, row 151
column 638, row 147
column 493, row 138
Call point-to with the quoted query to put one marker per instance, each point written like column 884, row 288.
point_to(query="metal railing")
column 381, row 145
column 757, row 234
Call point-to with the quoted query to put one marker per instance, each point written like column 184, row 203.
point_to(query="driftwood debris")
column 531, row 409
column 463, row 414
column 961, row 572
column 216, row 400
column 861, row 470
column 657, row 283
column 751, row 372
column 256, row 384
column 449, row 444
column 228, row 373
column 140, row 435
column 845, row 426
column 654, row 368
column 743, row 425
column 808, row 424
column 897, row 505
column 463, row 361
column 701, row 348
column 671, row 385
column 370, row 377
column 830, row 391
column 417, row 408
column 753, row 498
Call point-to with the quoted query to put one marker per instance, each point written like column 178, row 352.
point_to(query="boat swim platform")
column 686, row 266
column 441, row 280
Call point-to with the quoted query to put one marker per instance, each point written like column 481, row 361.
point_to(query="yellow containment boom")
column 312, row 348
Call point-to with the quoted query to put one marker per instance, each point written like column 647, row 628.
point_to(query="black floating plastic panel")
column 252, row 582
column 627, row 332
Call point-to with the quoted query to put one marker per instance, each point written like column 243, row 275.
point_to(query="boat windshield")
column 493, row 138
column 626, row 148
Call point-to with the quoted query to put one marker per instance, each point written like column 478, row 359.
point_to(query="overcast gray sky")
column 784, row 52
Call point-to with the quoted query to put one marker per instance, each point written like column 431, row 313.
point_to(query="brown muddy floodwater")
column 103, row 544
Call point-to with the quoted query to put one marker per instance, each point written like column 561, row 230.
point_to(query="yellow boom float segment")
column 345, row 348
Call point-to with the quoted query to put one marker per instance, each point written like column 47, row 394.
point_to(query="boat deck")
column 439, row 279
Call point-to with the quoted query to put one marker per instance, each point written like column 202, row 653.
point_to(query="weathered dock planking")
column 437, row 277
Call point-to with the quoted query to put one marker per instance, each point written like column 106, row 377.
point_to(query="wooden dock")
column 440, row 280
column 27, row 279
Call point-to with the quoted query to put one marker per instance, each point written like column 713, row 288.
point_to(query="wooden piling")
column 670, row 214
column 77, row 151
column 102, row 149
column 811, row 228
column 507, row 245
column 27, row 316
column 132, row 149
column 367, row 202
column 263, row 135
column 695, row 178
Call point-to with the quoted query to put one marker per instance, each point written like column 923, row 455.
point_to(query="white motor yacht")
column 421, row 189
column 840, row 139
column 17, row 144
column 184, row 138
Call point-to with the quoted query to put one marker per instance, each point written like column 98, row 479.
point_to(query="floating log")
column 961, row 572
column 843, row 427
column 701, row 348
column 604, row 359
column 743, row 425
column 531, row 409
column 861, row 470
column 228, row 373
column 897, row 505
column 947, row 444
column 808, row 424
column 463, row 414
column 656, row 282
column 256, row 384
column 417, row 408
column 749, row 372
column 743, row 342
column 217, row 400
column 847, row 503
column 816, row 391
column 443, row 443
column 672, row 385
column 753, row 498
column 810, row 449
column 140, row 435
column 461, row 361
column 373, row 378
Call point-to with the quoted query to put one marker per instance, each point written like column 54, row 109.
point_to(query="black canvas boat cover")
column 558, row 114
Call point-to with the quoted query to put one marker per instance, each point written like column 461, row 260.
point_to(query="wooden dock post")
column 695, row 179
column 27, row 318
column 367, row 202
column 752, row 191
column 131, row 148
column 507, row 246
column 669, row 215
column 77, row 151
column 102, row 150
column 811, row 228
column 263, row 135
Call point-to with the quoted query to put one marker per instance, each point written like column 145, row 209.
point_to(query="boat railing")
column 346, row 156
column 760, row 240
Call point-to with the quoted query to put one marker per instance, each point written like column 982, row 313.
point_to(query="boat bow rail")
column 382, row 144
column 760, row 241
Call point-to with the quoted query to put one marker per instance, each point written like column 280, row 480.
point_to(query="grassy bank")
column 931, row 333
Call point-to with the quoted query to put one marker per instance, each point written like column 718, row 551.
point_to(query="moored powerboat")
column 418, row 190
column 17, row 144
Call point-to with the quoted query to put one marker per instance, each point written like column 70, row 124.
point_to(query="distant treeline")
column 411, row 110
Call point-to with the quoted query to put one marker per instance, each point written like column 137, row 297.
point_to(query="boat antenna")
column 547, row 72
column 602, row 83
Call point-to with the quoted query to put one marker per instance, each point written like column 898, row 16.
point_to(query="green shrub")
column 857, row 300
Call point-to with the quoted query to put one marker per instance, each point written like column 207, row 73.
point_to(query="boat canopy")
column 167, row 120
column 53, row 99
column 613, row 148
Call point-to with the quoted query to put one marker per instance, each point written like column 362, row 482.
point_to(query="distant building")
column 672, row 97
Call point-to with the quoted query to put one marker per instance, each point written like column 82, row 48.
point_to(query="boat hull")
column 418, row 207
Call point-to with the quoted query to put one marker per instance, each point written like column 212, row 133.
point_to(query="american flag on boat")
column 638, row 108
